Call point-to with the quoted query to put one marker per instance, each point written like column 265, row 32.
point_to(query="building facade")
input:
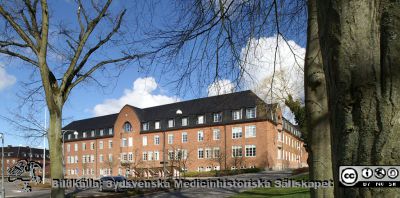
column 231, row 131
column 12, row 154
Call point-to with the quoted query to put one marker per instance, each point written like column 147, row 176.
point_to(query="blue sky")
column 88, row 100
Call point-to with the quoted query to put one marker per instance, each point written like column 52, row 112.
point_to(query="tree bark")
column 55, row 146
column 317, row 112
column 360, row 49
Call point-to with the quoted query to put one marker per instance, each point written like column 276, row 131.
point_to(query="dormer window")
column 200, row 119
column 110, row 131
column 237, row 114
column 101, row 132
column 92, row 133
column 127, row 127
column 145, row 126
column 69, row 136
column 184, row 121
column 251, row 113
column 76, row 135
column 217, row 117
column 157, row 125
column 171, row 123
column 84, row 135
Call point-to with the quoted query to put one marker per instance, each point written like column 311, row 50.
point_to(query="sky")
column 133, row 86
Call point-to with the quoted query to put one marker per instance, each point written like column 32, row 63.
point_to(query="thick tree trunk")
column 317, row 108
column 360, row 47
column 55, row 146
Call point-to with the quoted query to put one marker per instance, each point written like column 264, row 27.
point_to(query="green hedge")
column 214, row 173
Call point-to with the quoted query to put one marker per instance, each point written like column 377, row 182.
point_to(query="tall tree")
column 317, row 113
column 360, row 45
column 27, row 37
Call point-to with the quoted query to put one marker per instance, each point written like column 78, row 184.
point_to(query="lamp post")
column 3, row 191
column 63, row 156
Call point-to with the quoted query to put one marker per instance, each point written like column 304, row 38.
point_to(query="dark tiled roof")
column 204, row 106
column 19, row 151
column 101, row 122
column 191, row 109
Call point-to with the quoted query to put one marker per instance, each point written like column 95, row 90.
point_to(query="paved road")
column 13, row 191
column 218, row 192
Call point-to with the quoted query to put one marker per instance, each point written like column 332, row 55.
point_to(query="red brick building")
column 231, row 131
column 13, row 154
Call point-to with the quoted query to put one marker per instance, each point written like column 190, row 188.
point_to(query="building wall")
column 266, row 142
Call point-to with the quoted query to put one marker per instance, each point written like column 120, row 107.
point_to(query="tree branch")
column 20, row 56
column 18, row 29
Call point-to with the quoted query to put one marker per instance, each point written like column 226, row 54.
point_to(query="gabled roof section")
column 201, row 106
column 101, row 122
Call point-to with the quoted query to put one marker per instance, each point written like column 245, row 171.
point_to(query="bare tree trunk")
column 317, row 112
column 55, row 146
column 360, row 49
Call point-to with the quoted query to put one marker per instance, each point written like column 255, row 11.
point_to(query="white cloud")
column 141, row 95
column 6, row 79
column 219, row 87
column 288, row 78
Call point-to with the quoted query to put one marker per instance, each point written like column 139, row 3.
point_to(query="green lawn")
column 277, row 192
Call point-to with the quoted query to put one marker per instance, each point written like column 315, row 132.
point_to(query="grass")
column 278, row 192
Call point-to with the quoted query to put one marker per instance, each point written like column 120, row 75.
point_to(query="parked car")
column 108, row 183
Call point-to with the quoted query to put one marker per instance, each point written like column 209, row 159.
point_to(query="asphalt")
column 13, row 190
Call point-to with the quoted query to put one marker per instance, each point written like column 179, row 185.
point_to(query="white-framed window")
column 156, row 155
column 216, row 134
column 250, row 131
column 216, row 152
column 124, row 142
column 110, row 131
column 127, row 127
column 217, row 117
column 69, row 136
column 184, row 121
column 157, row 125
column 208, row 153
column 251, row 113
column 171, row 154
column 150, row 155
column 171, row 123
column 200, row 153
column 184, row 137
column 130, row 156
column 91, row 145
column 101, row 158
column 279, row 136
column 76, row 135
column 184, row 154
column 144, row 140
column 101, row 146
column 76, row 159
column 110, row 158
column 236, row 132
column 84, row 135
column 250, row 150
column 101, row 132
column 156, row 140
column 200, row 119
column 76, row 147
column 145, row 126
column 83, row 146
column 144, row 156
column 237, row 151
column 170, row 138
column 109, row 144
column 200, row 136
column 237, row 114
column 130, row 142
column 91, row 133
column 68, row 148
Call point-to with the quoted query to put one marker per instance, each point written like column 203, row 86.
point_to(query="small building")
column 12, row 154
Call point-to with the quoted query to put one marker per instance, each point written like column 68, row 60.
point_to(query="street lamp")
column 63, row 156
column 3, row 191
